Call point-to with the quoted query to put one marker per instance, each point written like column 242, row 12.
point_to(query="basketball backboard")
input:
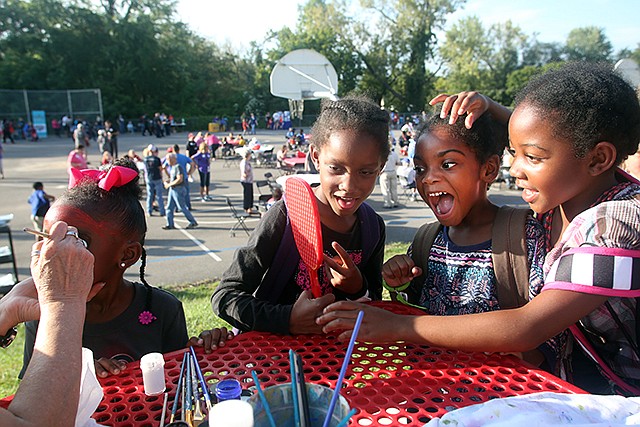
column 304, row 74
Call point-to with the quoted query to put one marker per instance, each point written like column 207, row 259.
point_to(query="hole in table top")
column 118, row 408
column 437, row 399
column 479, row 389
column 502, row 379
column 505, row 371
column 431, row 409
column 364, row 422
column 103, row 418
column 462, row 390
column 552, row 386
column 497, row 388
column 516, row 387
column 137, row 408
column 536, row 387
column 380, row 401
column 115, row 399
column 456, row 399
column 133, row 399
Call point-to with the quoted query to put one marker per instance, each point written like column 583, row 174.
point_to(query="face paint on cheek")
column 79, row 219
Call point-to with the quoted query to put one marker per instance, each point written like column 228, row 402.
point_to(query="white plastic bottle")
column 231, row 413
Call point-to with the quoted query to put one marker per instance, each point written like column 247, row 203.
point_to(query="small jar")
column 228, row 390
column 152, row 366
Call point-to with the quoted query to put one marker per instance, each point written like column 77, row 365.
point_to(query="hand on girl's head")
column 105, row 367
column 211, row 339
column 399, row 269
column 471, row 103
column 343, row 272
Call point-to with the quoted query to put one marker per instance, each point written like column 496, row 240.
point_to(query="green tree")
column 407, row 29
column 588, row 44
column 481, row 59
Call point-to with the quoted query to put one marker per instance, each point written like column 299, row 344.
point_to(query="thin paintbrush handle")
column 164, row 409
column 203, row 383
column 174, row 410
column 303, row 403
column 263, row 398
column 294, row 389
column 343, row 422
column 343, row 370
column 36, row 232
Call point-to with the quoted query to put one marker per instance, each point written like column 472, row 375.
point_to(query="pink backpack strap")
column 606, row 370
column 596, row 270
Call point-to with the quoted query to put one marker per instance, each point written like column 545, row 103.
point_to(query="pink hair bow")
column 116, row 176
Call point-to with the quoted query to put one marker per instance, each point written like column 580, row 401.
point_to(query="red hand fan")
column 305, row 224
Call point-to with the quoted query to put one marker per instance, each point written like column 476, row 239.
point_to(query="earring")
column 123, row 265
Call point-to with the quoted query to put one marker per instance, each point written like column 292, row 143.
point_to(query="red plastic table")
column 389, row 384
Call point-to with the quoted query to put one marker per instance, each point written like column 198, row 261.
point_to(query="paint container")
column 230, row 389
column 281, row 405
column 152, row 366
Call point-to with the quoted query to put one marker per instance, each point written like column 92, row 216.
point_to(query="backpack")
column 287, row 256
column 509, row 255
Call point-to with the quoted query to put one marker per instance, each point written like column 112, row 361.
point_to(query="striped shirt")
column 611, row 224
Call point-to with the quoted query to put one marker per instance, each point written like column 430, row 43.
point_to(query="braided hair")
column 119, row 206
column 358, row 114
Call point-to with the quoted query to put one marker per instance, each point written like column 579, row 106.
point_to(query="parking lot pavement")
column 177, row 256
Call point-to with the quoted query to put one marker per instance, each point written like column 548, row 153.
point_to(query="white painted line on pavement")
column 199, row 243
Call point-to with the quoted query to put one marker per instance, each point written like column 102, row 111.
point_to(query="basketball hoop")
column 303, row 74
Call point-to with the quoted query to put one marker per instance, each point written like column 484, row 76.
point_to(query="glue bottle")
column 231, row 413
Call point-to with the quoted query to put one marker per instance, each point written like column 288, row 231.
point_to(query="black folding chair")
column 240, row 218
column 263, row 196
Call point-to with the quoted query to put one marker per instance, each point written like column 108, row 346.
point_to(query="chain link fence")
column 78, row 104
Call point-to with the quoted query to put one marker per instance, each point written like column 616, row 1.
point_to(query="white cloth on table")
column 546, row 409
column 90, row 391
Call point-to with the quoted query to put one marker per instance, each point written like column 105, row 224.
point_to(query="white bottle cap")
column 231, row 413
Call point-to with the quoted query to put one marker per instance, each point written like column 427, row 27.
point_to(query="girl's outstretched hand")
column 399, row 269
column 471, row 103
column 105, row 367
column 305, row 311
column 378, row 325
column 343, row 272
column 211, row 339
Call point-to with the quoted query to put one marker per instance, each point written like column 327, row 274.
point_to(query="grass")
column 197, row 308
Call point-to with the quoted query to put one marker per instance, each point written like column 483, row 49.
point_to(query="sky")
column 242, row 21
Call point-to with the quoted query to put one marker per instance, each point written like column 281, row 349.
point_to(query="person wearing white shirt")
column 389, row 180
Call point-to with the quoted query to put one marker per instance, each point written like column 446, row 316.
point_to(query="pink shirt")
column 76, row 160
